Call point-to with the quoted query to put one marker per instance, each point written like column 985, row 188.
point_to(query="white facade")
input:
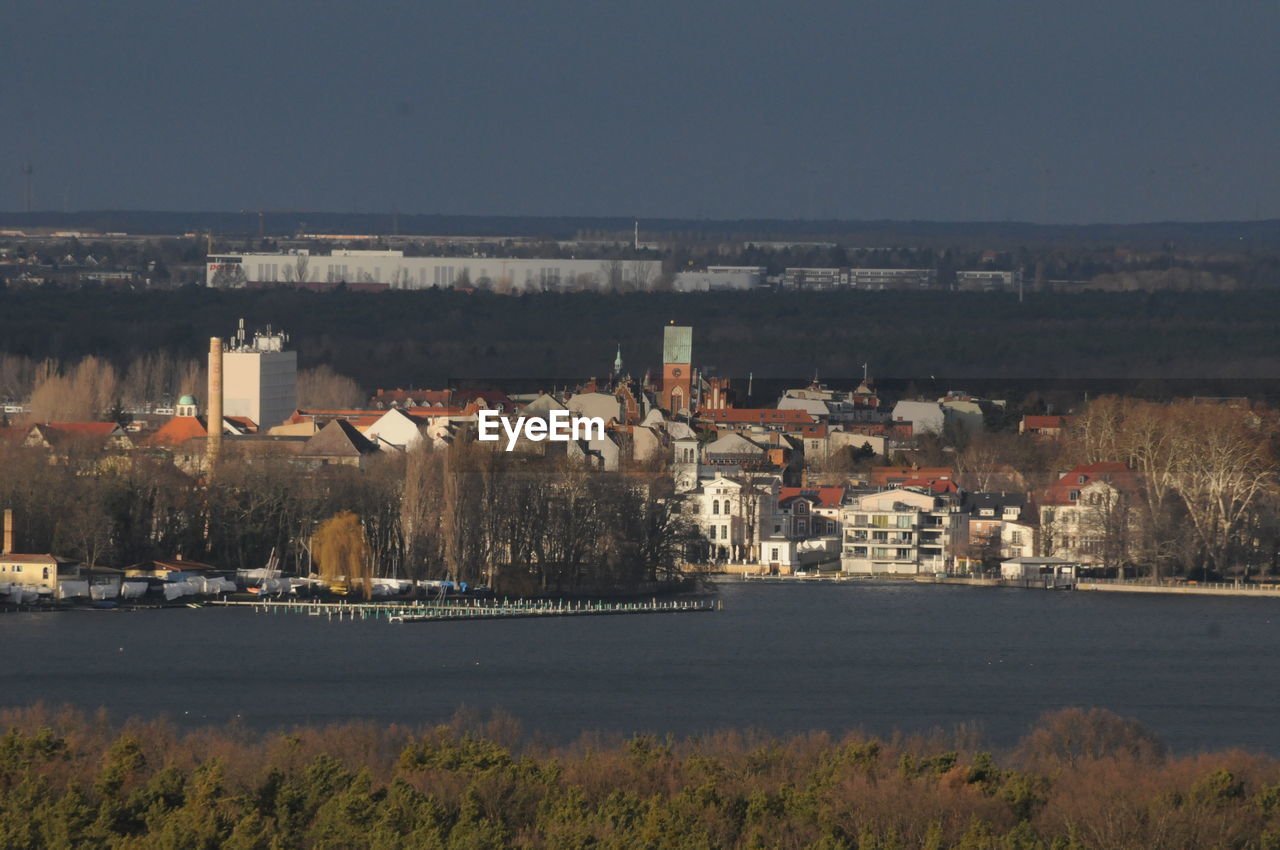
column 260, row 381
column 393, row 270
column 898, row 532
column 924, row 416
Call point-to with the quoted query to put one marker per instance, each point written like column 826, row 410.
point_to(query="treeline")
column 520, row 524
column 93, row 388
column 427, row 338
column 1081, row 779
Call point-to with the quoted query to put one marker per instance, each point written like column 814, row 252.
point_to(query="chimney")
column 8, row 531
column 215, row 402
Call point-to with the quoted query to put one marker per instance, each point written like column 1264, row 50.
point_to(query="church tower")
column 677, row 369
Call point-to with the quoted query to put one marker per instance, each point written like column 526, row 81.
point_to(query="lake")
column 782, row 657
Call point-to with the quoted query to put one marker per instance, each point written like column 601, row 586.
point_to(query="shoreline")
column 1268, row 590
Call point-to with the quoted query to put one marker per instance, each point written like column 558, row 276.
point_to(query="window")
column 17, row 568
column 711, row 532
column 1016, row 538
column 715, row 506
column 904, row 521
column 1074, row 495
column 773, row 554
column 904, row 554
column 1082, row 479
column 777, row 528
column 46, row 573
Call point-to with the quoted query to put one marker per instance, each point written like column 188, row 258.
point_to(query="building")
column 986, row 516
column 893, row 278
column 985, row 280
column 814, row 278
column 1088, row 515
column 924, row 416
column 898, row 531
column 260, row 378
column 677, row 369
column 380, row 270
column 717, row 278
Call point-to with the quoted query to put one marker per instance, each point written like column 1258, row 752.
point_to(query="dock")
column 427, row 612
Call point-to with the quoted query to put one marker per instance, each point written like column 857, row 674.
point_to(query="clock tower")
column 677, row 369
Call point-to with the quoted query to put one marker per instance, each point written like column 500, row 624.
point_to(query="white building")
column 393, row 270
column 260, row 378
column 897, row 531
column 924, row 416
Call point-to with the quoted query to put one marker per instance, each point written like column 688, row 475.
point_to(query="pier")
column 426, row 612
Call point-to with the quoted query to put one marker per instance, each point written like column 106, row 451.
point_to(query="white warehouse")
column 393, row 270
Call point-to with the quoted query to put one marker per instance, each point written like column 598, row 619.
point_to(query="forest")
column 1200, row 341
column 1078, row 779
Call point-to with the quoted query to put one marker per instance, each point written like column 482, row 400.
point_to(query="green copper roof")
column 677, row 344
column 187, row 399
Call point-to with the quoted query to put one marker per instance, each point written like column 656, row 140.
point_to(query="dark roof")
column 338, row 439
column 974, row 502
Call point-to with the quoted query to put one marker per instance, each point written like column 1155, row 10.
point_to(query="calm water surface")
column 782, row 657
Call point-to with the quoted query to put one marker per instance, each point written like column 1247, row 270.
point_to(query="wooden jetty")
column 472, row 609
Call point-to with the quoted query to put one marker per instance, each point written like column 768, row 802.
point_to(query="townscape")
column 396, row 497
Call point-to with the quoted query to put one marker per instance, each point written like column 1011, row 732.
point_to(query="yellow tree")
column 338, row 546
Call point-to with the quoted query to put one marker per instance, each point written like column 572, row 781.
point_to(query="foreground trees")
column 1081, row 779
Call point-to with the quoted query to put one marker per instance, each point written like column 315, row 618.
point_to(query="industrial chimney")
column 8, row 531
column 215, row 401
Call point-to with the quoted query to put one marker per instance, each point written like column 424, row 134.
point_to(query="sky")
column 1054, row 112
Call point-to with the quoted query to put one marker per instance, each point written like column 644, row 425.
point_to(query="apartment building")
column 898, row 531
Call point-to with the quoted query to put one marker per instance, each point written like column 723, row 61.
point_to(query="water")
column 780, row 657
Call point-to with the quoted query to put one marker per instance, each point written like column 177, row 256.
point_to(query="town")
column 402, row 495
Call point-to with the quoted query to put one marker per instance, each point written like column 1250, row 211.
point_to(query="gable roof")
column 823, row 497
column 338, row 439
column 1113, row 473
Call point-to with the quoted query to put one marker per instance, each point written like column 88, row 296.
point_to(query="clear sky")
column 1068, row 111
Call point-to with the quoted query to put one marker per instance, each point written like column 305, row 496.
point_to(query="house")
column 62, row 437
column 924, row 416
column 985, row 516
column 339, row 444
column 1025, row 568
column 38, row 573
column 728, row 513
column 395, row 429
column 1048, row 427
column 896, row 476
column 601, row 453
column 734, row 448
column 601, row 405
column 811, row 511
column 1088, row 515
column 898, row 531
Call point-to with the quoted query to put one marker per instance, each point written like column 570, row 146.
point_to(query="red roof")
column 883, row 476
column 824, row 497
column 935, row 485
column 1116, row 474
column 178, row 430
column 1038, row 423
column 757, row 416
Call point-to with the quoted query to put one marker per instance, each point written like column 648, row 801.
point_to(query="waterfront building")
column 899, row 531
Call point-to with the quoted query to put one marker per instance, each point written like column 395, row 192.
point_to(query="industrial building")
column 392, row 270
column 260, row 378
